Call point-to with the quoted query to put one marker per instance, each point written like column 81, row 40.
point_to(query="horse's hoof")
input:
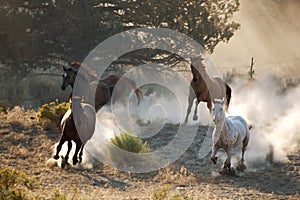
column 214, row 159
column 242, row 167
column 195, row 118
column 64, row 162
column 75, row 162
column 56, row 157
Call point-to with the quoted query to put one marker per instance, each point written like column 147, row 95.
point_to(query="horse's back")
column 238, row 121
column 240, row 126
column 111, row 80
column 218, row 88
column 87, row 126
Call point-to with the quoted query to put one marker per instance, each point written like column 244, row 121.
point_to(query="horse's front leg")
column 227, row 163
column 209, row 106
column 58, row 147
column 75, row 160
column 190, row 104
column 214, row 151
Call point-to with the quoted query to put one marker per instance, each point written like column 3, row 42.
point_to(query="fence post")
column 251, row 71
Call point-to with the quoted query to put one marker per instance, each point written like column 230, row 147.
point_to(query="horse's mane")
column 85, row 71
column 198, row 60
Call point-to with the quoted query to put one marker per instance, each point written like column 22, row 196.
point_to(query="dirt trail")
column 27, row 148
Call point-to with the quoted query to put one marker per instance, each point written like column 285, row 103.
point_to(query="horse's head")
column 197, row 67
column 218, row 110
column 69, row 77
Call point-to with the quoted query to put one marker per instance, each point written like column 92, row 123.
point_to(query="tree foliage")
column 42, row 33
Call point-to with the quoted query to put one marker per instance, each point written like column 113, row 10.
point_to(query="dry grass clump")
column 21, row 118
column 171, row 175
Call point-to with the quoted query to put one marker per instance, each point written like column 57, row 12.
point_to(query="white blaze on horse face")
column 65, row 75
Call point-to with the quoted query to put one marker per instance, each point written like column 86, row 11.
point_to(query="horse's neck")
column 222, row 126
column 207, row 79
column 83, row 88
column 224, row 130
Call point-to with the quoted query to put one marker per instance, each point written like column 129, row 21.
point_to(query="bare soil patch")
column 28, row 147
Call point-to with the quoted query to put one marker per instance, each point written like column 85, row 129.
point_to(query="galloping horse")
column 85, row 119
column 203, row 88
column 229, row 132
column 87, row 86
column 87, row 73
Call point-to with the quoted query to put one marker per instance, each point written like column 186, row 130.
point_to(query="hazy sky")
column 270, row 32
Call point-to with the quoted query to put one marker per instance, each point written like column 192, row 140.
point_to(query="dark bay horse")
column 85, row 119
column 90, row 76
column 206, row 89
column 87, row 85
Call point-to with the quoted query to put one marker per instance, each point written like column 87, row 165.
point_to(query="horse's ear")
column 65, row 69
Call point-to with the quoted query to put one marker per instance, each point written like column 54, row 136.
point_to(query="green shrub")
column 4, row 106
column 13, row 182
column 130, row 143
column 50, row 115
column 161, row 194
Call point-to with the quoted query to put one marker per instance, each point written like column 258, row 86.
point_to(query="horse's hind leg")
column 245, row 143
column 58, row 148
column 69, row 149
column 75, row 160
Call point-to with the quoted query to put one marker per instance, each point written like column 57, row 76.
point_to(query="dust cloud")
column 274, row 113
column 270, row 33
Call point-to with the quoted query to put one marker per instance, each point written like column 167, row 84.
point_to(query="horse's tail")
column 139, row 95
column 228, row 96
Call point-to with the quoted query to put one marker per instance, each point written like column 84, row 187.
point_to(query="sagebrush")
column 50, row 114
column 13, row 184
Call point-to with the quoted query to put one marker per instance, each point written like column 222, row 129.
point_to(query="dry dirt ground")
column 25, row 146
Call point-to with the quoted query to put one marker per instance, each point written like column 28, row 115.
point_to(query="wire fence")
column 289, row 68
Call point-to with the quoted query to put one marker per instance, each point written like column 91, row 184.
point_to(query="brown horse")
column 203, row 88
column 85, row 119
column 86, row 87
column 111, row 80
